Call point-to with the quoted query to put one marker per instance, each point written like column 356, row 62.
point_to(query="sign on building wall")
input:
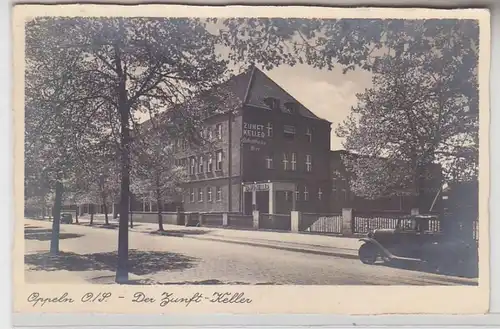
column 254, row 134
column 256, row 187
column 253, row 130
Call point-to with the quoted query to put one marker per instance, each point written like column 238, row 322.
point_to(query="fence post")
column 177, row 217
column 256, row 219
column 295, row 217
column 225, row 219
column 347, row 220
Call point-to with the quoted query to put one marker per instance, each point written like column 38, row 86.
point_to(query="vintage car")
column 412, row 242
column 66, row 218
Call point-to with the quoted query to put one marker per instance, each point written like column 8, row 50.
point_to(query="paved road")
column 90, row 256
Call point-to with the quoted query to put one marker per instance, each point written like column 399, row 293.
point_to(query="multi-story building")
column 270, row 153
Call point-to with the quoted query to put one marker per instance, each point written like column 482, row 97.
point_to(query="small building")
column 342, row 195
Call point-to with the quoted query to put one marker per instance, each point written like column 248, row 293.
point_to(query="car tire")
column 367, row 254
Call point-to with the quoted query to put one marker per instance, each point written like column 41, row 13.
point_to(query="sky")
column 328, row 94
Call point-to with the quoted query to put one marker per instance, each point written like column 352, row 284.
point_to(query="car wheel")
column 367, row 254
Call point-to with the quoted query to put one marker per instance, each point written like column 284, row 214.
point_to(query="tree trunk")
column 417, row 188
column 124, row 111
column 77, row 213
column 160, row 217
column 106, row 219
column 56, row 222
column 115, row 212
column 105, row 208
column 91, row 206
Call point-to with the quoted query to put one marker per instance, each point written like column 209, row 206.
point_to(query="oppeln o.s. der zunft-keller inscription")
column 168, row 298
column 162, row 299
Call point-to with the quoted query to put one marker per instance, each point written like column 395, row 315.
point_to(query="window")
column 291, row 107
column 218, row 165
column 210, row 166
column 308, row 163
column 183, row 196
column 192, row 168
column 218, row 131
column 269, row 161
column 320, row 194
column 200, row 165
column 269, row 129
column 297, row 193
column 209, row 194
column 289, row 131
column 287, row 195
column 191, row 195
column 200, row 194
column 218, row 192
column 285, row 161
column 210, row 133
column 294, row 161
column 306, row 194
column 272, row 103
column 309, row 134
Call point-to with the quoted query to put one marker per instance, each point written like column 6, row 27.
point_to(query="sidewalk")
column 299, row 242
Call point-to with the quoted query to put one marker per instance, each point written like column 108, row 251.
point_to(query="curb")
column 273, row 246
column 266, row 245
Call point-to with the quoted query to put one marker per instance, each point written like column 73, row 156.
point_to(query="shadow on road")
column 111, row 280
column 179, row 233
column 41, row 234
column 468, row 271
column 110, row 226
column 140, row 262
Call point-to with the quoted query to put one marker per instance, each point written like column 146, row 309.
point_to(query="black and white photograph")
column 251, row 151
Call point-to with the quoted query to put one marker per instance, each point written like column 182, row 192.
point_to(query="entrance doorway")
column 261, row 202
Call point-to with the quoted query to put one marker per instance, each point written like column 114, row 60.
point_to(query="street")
column 204, row 256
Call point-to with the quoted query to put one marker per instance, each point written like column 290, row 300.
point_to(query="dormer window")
column 272, row 103
column 291, row 107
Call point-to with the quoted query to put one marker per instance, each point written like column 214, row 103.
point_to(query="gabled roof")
column 251, row 87
column 260, row 87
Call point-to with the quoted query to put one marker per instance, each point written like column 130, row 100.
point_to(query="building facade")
column 343, row 197
column 272, row 154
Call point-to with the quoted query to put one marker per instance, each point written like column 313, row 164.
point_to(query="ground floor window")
column 209, row 194
column 200, row 194
column 218, row 191
column 191, row 195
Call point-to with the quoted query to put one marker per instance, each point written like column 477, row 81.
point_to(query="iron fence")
column 322, row 223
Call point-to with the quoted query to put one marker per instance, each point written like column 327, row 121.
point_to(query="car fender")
column 382, row 249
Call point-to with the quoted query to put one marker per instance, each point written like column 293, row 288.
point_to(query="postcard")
column 175, row 159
